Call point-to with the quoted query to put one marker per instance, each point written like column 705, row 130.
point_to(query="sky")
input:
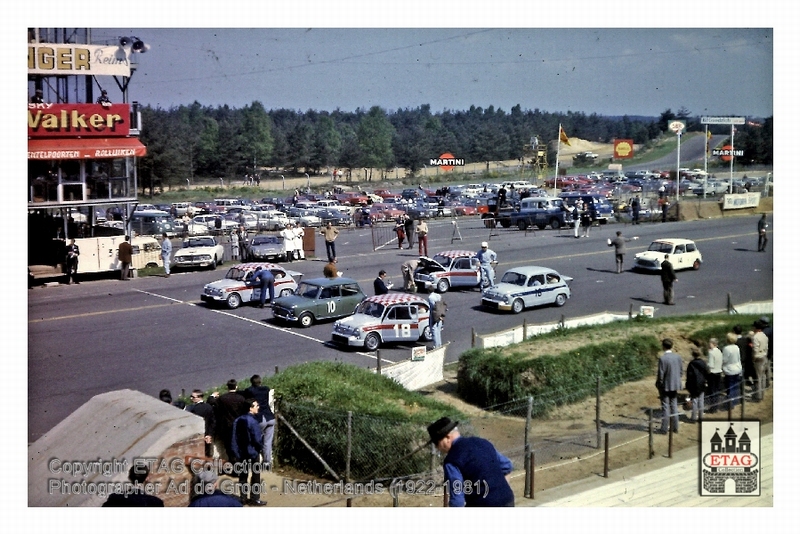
column 608, row 71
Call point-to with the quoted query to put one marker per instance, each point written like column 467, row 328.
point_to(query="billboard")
column 65, row 59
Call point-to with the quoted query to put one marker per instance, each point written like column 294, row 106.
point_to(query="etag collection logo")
column 730, row 459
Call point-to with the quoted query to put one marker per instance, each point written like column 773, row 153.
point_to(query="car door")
column 404, row 327
column 329, row 302
column 535, row 291
column 678, row 257
column 461, row 273
column 351, row 298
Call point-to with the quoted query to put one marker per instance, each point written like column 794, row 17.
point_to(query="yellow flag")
column 563, row 136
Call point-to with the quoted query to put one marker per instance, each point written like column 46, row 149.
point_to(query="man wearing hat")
column 760, row 345
column 474, row 472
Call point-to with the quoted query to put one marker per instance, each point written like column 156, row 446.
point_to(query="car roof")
column 529, row 270
column 673, row 240
column 253, row 264
column 456, row 253
column 327, row 282
column 395, row 298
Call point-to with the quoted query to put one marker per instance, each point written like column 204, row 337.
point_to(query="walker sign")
column 730, row 458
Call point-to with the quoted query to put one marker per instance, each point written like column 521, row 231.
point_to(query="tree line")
column 195, row 141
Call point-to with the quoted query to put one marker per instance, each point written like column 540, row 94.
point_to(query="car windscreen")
column 308, row 290
column 266, row 240
column 198, row 243
column 657, row 246
column 372, row 309
column 236, row 274
column 444, row 261
column 516, row 279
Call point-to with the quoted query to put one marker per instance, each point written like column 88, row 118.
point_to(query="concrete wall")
column 104, row 436
column 414, row 375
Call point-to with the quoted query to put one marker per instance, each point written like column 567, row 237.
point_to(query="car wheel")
column 214, row 263
column 372, row 342
column 285, row 292
column 522, row 225
column 555, row 224
column 442, row 285
column 696, row 265
column 540, row 226
column 505, row 223
column 233, row 301
column 306, row 320
column 427, row 334
column 561, row 299
column 151, row 265
column 517, row 306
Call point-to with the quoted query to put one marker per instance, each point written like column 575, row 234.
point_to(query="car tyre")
column 427, row 334
column 442, row 285
column 285, row 292
column 306, row 320
column 561, row 299
column 233, row 301
column 517, row 306
column 372, row 342
column 522, row 225
column 214, row 263
column 555, row 224
column 505, row 223
column 696, row 265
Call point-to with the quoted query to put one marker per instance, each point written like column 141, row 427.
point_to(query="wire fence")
column 345, row 446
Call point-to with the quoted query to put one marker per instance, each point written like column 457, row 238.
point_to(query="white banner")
column 745, row 200
column 63, row 59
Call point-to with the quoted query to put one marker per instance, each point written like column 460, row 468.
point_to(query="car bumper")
column 193, row 263
column 347, row 341
column 284, row 315
column 646, row 265
column 495, row 304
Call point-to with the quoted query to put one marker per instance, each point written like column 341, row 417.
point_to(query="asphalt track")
column 153, row 332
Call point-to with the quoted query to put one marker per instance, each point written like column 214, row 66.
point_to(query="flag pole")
column 558, row 154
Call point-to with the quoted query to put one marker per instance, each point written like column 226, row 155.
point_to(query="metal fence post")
column 597, row 411
column 378, row 356
column 605, row 462
column 349, row 452
column 528, row 468
column 651, row 452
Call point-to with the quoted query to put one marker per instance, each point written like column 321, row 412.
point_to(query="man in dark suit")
column 667, row 279
column 125, row 257
column 380, row 285
column 206, row 411
column 71, row 265
column 227, row 407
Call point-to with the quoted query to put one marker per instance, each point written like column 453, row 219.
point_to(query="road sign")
column 677, row 126
column 721, row 120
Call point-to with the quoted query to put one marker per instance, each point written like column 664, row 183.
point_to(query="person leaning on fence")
column 668, row 382
column 732, row 371
column 475, row 474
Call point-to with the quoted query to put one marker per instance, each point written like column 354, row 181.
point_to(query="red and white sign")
column 78, row 120
column 447, row 161
column 92, row 148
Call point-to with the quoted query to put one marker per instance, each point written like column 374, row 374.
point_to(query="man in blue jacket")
column 474, row 472
column 246, row 444
column 264, row 279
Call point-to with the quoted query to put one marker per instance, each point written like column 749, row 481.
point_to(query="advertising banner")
column 78, row 120
column 623, row 148
column 744, row 200
column 64, row 59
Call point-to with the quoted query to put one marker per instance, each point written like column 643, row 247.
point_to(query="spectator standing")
column 422, row 237
column 125, row 253
column 768, row 333
column 400, row 230
column 696, row 379
column 745, row 344
column 636, row 207
column 438, row 310
column 266, row 414
column 206, row 411
column 475, row 473
column 668, row 278
column 246, row 443
column 103, row 98
column 664, row 208
column 289, row 241
column 714, row 375
column 235, row 245
column 38, row 97
column 760, row 345
column 379, row 284
column 619, row 248
column 732, row 371
column 299, row 233
column 668, row 382
column 408, row 269
column 166, row 253
column 586, row 222
column 577, row 210
column 330, row 233
column 762, row 233
column 227, row 407
column 265, row 280
column 73, row 252
column 408, row 223
column 486, row 257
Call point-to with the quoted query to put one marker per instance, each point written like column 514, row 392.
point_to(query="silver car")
column 526, row 287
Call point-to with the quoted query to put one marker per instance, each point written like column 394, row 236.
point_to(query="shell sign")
column 623, row 148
